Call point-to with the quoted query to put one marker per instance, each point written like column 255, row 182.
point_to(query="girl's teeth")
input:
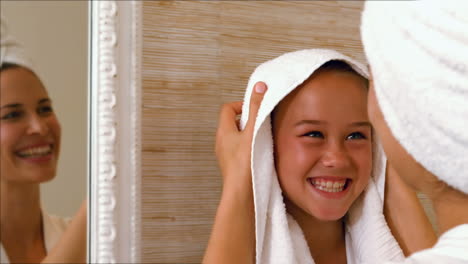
column 36, row 152
column 328, row 186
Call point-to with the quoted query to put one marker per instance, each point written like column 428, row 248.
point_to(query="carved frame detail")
column 115, row 132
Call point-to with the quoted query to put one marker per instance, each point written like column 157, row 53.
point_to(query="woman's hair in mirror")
column 7, row 65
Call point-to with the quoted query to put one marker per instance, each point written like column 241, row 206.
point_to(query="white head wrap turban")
column 11, row 51
column 418, row 52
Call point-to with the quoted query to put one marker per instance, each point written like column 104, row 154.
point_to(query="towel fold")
column 279, row 238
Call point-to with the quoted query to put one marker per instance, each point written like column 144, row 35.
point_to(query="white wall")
column 55, row 35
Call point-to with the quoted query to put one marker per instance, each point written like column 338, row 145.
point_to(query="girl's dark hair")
column 340, row 66
column 7, row 65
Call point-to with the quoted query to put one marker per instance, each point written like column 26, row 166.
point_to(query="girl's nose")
column 335, row 157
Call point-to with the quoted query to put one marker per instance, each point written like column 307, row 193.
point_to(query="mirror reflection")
column 44, row 69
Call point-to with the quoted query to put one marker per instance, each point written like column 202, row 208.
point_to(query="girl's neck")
column 326, row 239
column 451, row 208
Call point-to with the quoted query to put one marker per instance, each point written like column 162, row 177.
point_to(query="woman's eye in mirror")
column 12, row 115
column 45, row 110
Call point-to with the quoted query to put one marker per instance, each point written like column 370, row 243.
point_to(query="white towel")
column 11, row 50
column 279, row 239
column 418, row 51
column 451, row 248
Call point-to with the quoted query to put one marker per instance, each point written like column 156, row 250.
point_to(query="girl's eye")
column 356, row 135
column 45, row 109
column 314, row 134
column 12, row 115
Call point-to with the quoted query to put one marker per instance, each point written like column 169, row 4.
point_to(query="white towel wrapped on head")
column 421, row 85
column 11, row 50
column 279, row 238
column 418, row 51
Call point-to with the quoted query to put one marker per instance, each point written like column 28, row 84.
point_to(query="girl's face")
column 30, row 131
column 323, row 149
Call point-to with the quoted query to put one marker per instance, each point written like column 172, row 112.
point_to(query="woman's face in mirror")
column 30, row 131
column 323, row 147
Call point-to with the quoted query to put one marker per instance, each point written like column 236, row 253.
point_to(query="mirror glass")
column 54, row 35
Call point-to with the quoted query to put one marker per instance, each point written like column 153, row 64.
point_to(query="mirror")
column 54, row 35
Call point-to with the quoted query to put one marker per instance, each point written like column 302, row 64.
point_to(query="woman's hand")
column 233, row 237
column 71, row 248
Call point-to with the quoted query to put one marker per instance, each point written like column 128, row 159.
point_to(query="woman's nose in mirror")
column 38, row 125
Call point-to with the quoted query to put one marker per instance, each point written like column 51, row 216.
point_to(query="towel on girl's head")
column 11, row 51
column 279, row 239
column 418, row 51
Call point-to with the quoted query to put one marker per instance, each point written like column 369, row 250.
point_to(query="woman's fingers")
column 255, row 101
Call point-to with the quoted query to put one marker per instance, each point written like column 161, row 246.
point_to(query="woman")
column 30, row 144
column 418, row 105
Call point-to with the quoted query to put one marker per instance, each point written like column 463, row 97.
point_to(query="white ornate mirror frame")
column 114, row 205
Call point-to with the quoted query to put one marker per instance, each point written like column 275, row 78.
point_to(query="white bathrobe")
column 451, row 248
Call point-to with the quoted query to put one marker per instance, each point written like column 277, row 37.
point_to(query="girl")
column 323, row 160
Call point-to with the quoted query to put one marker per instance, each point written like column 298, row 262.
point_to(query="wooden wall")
column 198, row 55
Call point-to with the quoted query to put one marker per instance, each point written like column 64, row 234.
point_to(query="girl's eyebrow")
column 321, row 122
column 361, row 123
column 311, row 122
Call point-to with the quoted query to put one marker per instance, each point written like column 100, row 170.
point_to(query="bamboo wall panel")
column 196, row 56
